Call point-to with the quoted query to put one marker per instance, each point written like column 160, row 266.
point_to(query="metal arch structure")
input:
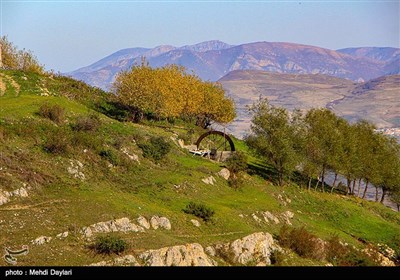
column 216, row 132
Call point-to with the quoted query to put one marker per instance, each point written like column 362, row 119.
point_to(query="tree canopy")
column 170, row 92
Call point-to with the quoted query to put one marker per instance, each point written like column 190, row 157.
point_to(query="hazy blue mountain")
column 212, row 60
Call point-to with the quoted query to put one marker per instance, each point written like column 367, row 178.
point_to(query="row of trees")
column 318, row 142
column 170, row 92
column 14, row 59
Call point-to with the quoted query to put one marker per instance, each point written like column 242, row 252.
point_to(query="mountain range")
column 211, row 60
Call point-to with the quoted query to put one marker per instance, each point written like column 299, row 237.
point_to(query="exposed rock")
column 181, row 143
column 387, row 251
column 378, row 257
column 287, row 216
column 268, row 216
column 122, row 224
column 182, row 255
column 196, row 223
column 255, row 249
column 209, row 180
column 22, row 192
column 75, row 169
column 161, row 222
column 3, row 198
column 142, row 221
column 210, row 250
column 257, row 219
column 62, row 235
column 130, row 155
column 241, row 215
column 224, row 173
column 127, row 260
column 41, row 240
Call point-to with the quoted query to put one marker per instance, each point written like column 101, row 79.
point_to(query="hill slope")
column 213, row 59
column 64, row 183
column 376, row 100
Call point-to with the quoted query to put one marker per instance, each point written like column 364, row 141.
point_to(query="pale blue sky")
column 66, row 35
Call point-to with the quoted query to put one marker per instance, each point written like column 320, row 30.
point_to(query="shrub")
column 156, row 148
column 109, row 244
column 57, row 142
column 110, row 156
column 301, row 241
column 199, row 210
column 87, row 123
column 237, row 162
column 52, row 112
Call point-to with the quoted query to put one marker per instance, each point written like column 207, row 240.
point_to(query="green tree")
column 323, row 130
column 272, row 138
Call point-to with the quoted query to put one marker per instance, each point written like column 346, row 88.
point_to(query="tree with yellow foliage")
column 170, row 92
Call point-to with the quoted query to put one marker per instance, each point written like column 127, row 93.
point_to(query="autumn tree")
column 14, row 59
column 170, row 92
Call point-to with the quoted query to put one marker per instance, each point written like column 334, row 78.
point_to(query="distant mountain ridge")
column 212, row 60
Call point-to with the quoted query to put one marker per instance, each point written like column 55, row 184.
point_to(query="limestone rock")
column 87, row 232
column 287, row 215
column 41, row 240
column 196, row 223
column 127, row 260
column 182, row 255
column 209, row 180
column 257, row 219
column 268, row 216
column 210, row 251
column 255, row 248
column 160, row 222
column 130, row 155
column 75, row 169
column 142, row 221
column 224, row 173
column 62, row 235
column 3, row 198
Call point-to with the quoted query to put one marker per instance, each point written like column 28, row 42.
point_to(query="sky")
column 67, row 35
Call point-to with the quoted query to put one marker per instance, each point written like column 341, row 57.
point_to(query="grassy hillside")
column 82, row 170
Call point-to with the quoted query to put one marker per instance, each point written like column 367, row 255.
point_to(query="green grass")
column 59, row 202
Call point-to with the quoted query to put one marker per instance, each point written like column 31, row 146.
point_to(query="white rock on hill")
column 142, row 221
column 209, row 180
column 182, row 255
column 255, row 248
column 224, row 173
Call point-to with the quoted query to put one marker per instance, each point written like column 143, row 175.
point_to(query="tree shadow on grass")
column 265, row 171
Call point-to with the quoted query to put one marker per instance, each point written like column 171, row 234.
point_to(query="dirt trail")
column 3, row 85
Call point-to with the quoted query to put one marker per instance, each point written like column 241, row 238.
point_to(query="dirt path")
column 3, row 85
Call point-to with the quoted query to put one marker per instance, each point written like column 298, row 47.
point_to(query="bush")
column 237, row 162
column 156, row 148
column 199, row 210
column 301, row 241
column 109, row 244
column 57, row 142
column 87, row 123
column 340, row 254
column 110, row 156
column 52, row 112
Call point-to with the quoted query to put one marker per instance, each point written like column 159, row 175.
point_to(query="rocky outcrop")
column 41, row 240
column 196, row 223
column 5, row 196
column 252, row 249
column 269, row 217
column 130, row 155
column 160, row 222
column 287, row 215
column 142, row 221
column 127, row 260
column 224, row 173
column 182, row 255
column 123, row 225
column 75, row 169
column 209, row 180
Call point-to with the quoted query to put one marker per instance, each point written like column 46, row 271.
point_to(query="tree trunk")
column 309, row 183
column 358, row 188
column 354, row 186
column 376, row 194
column 348, row 185
column 316, row 185
column 334, row 182
column 383, row 195
column 365, row 190
column 323, row 178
